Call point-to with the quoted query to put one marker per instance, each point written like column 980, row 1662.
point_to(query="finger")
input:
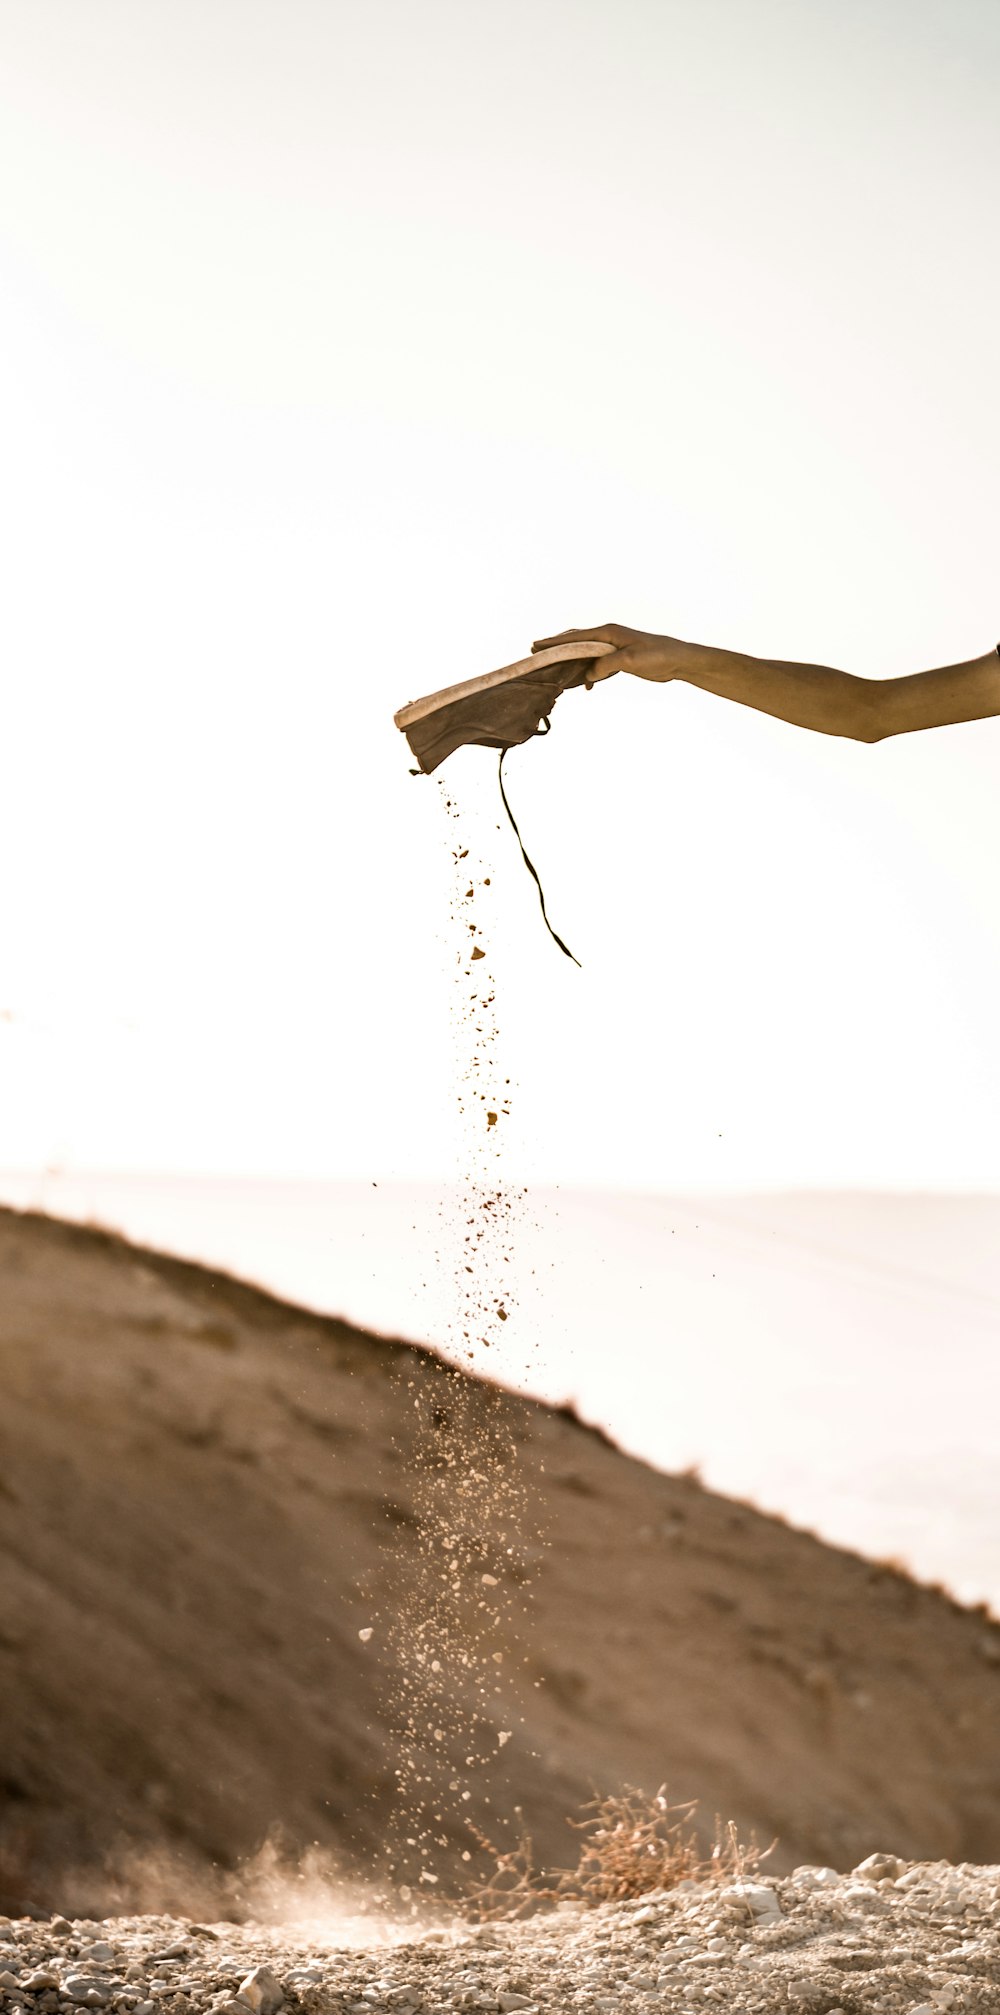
column 563, row 637
column 600, row 633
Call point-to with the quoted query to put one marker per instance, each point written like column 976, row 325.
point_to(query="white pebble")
column 262, row 1991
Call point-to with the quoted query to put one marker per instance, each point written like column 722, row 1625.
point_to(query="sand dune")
column 205, row 1494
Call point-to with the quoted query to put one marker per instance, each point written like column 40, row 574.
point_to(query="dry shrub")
column 631, row 1845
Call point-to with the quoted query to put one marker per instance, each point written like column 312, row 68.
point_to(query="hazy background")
column 346, row 350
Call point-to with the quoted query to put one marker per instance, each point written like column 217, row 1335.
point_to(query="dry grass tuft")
column 632, row 1844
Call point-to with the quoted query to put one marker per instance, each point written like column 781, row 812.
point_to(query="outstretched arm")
column 810, row 696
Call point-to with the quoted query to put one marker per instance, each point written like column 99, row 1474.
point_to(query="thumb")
column 602, row 668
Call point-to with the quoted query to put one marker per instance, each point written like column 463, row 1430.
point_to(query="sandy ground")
column 206, row 1495
column 923, row 1940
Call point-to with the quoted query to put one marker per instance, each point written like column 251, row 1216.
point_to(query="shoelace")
column 529, row 864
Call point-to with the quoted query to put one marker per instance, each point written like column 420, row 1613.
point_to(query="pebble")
column 878, row 1867
column 861, row 1896
column 758, row 1897
column 86, row 1989
column 262, row 1991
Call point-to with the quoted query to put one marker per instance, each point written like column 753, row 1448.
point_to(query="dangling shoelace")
column 532, row 870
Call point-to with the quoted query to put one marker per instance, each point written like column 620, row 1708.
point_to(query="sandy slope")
column 205, row 1494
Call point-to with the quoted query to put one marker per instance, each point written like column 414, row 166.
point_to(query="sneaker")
column 500, row 708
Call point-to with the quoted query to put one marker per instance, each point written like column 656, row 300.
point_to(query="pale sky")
column 344, row 351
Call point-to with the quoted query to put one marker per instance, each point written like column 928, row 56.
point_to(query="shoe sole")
column 557, row 654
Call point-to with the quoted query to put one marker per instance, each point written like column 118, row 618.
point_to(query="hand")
column 637, row 651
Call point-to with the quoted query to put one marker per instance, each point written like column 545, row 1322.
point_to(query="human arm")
column 809, row 696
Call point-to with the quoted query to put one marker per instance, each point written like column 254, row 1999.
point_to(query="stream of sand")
column 455, row 1677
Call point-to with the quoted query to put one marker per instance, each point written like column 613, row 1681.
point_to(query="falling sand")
column 457, row 1680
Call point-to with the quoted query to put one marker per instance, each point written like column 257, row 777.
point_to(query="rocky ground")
column 888, row 1939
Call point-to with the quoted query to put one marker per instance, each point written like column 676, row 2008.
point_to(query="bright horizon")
column 346, row 351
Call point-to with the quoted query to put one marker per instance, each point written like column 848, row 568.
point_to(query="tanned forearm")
column 839, row 703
